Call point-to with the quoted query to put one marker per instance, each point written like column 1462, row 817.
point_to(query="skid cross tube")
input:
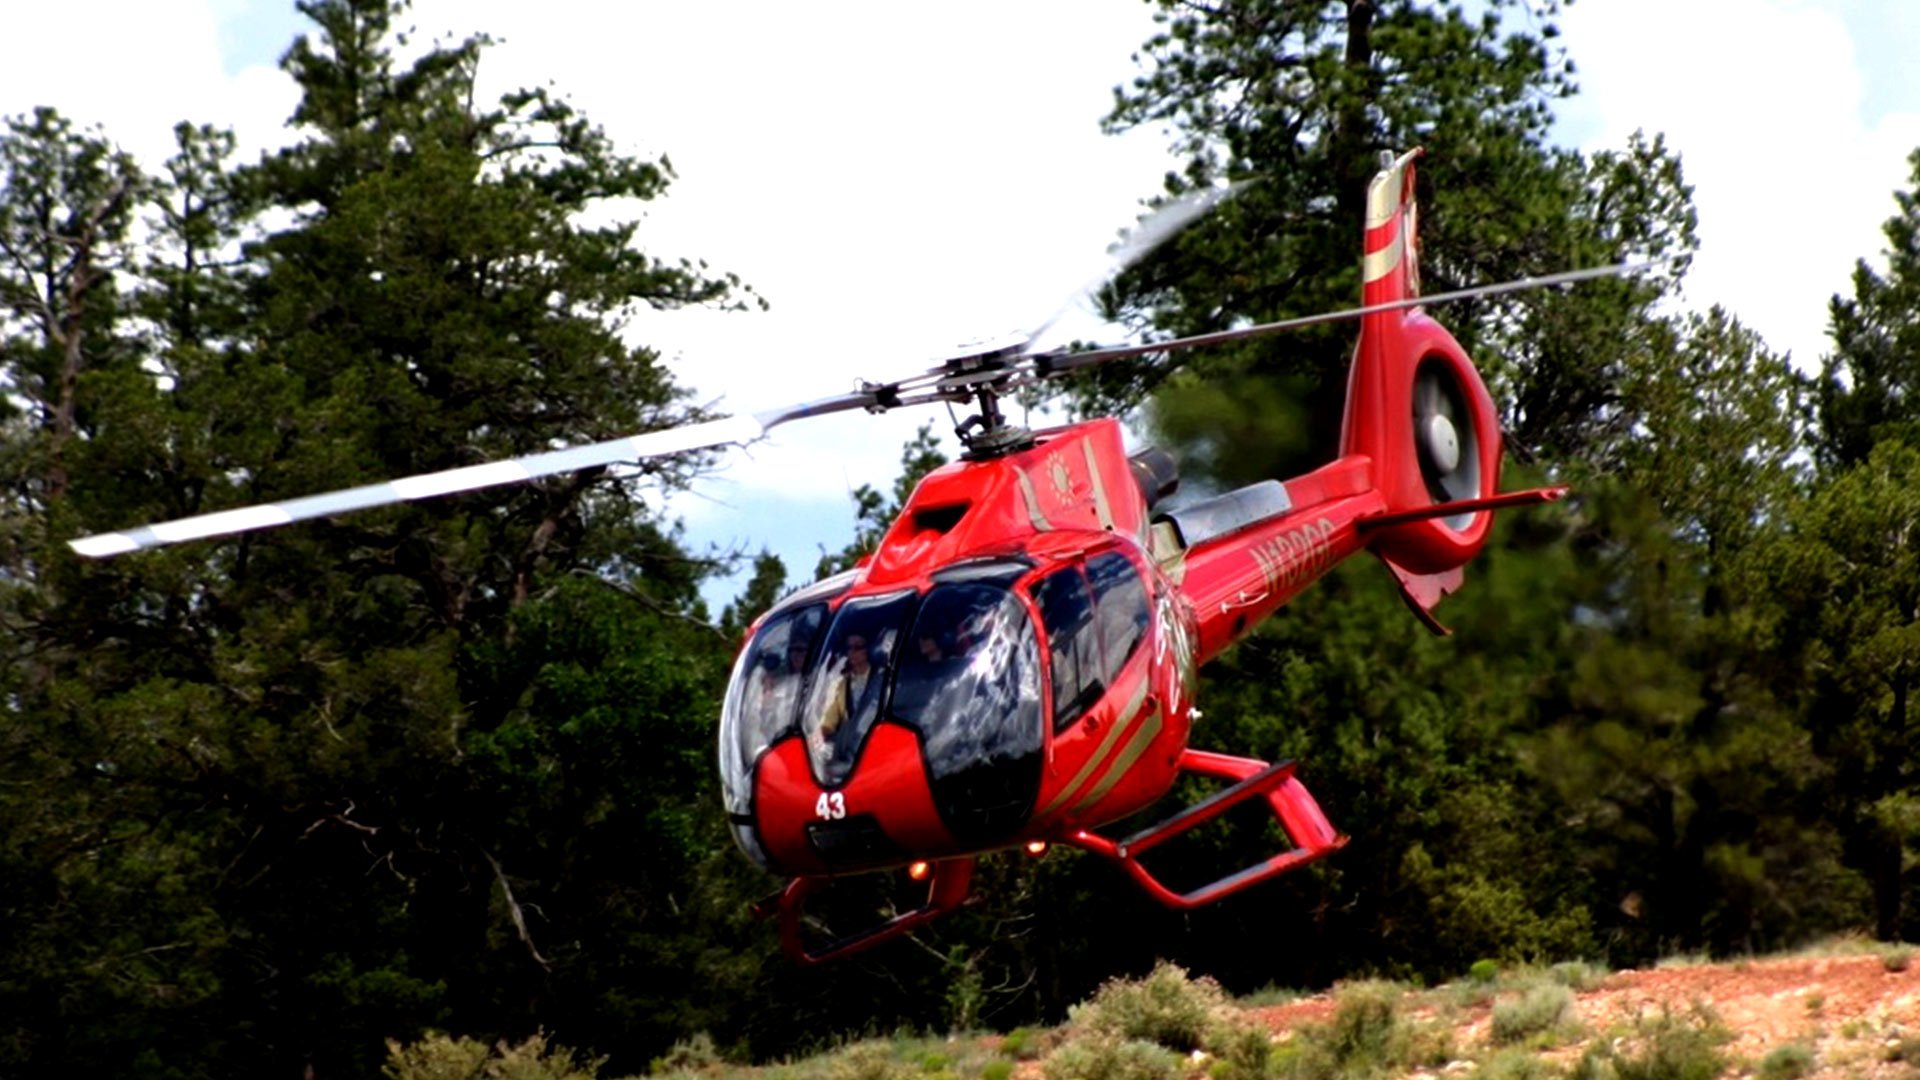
column 1293, row 807
column 946, row 891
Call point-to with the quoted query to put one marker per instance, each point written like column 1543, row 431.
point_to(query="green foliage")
column 1539, row 1009
column 1577, row 974
column 692, row 1054
column 1667, row 1046
column 1790, row 1062
column 1515, row 1064
column 277, row 799
column 1484, row 971
column 1241, row 1051
column 1167, row 1007
column 1366, row 1038
column 872, row 1060
column 1021, row 1044
column 1866, row 384
column 1301, row 98
column 441, row 1057
column 1105, row 1055
column 1897, row 958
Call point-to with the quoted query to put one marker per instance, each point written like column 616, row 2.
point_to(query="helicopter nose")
column 881, row 815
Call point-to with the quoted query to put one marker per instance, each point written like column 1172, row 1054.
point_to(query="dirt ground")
column 1852, row 1012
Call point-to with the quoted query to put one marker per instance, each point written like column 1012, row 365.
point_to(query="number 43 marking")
column 830, row 806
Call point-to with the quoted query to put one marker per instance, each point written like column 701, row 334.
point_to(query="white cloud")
column 1765, row 102
column 136, row 69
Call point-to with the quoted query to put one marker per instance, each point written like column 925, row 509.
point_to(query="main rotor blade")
column 732, row 429
column 1048, row 364
column 1163, row 223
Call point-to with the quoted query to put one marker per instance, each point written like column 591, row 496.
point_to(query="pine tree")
column 1299, row 100
column 1867, row 384
column 285, row 796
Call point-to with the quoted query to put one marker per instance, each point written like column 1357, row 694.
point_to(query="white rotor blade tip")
column 103, row 545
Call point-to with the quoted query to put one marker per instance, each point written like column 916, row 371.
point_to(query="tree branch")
column 513, row 909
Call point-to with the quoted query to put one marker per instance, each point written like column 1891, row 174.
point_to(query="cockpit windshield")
column 959, row 664
column 971, row 681
column 848, row 682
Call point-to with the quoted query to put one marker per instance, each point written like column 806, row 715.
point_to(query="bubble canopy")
column 958, row 663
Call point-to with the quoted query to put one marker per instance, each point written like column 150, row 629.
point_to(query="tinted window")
column 766, row 686
column 1120, row 605
column 1073, row 643
column 969, row 682
column 847, row 682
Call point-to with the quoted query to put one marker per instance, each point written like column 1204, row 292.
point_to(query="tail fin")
column 1417, row 409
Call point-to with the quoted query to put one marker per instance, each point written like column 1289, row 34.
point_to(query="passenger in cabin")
column 855, row 689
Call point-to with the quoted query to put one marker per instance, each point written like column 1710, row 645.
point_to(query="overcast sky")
column 897, row 178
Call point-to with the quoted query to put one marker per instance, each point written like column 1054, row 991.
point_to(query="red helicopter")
column 1014, row 666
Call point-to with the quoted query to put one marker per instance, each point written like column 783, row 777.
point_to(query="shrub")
column 440, row 1057
column 1366, row 1024
column 1241, row 1051
column 1271, row 995
column 1540, row 1009
column 1790, row 1062
column 687, row 1055
column 1667, row 1047
column 1577, row 974
column 1018, row 1043
column 1167, row 1007
column 1897, row 958
column 1484, row 971
column 870, row 1061
column 996, row 1070
column 1365, row 1038
column 1513, row 1064
column 1103, row 1055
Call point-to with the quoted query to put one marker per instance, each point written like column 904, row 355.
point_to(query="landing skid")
column 1293, row 807
column 947, row 887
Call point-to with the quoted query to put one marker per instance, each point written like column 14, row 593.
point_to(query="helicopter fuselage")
column 1096, row 618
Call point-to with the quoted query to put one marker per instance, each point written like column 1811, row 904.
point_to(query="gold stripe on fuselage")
column 1114, row 732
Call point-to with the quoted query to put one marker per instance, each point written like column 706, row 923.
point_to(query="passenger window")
column 1073, row 640
column 765, row 689
column 1120, row 598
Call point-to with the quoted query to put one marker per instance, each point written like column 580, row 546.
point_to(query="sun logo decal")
column 1060, row 478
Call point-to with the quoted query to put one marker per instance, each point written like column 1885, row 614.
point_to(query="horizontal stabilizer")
column 1455, row 508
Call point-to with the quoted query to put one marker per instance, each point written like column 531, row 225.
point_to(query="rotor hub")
column 1442, row 443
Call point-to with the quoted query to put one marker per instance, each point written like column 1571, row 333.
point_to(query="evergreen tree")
column 1868, row 383
column 284, row 796
column 1301, row 98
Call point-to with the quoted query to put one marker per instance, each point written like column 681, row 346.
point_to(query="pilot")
column 855, row 688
